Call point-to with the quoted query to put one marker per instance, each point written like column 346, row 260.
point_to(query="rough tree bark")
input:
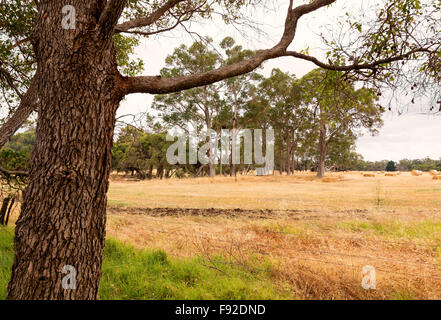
column 62, row 220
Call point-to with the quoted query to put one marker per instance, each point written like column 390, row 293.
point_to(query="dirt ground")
column 315, row 237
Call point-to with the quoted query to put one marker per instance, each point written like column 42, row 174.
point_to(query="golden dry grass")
column 304, row 191
column 316, row 236
column 331, row 179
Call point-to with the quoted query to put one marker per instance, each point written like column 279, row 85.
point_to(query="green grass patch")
column 423, row 229
column 428, row 190
column 405, row 294
column 281, row 228
column 117, row 203
column 6, row 258
column 130, row 273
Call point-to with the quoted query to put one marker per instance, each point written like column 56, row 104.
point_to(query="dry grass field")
column 314, row 236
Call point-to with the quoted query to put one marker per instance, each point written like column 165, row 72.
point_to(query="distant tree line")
column 425, row 164
column 142, row 153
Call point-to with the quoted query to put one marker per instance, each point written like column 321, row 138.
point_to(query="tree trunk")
column 288, row 154
column 212, row 169
column 27, row 104
column 211, row 157
column 281, row 162
column 323, row 149
column 232, row 165
column 160, row 172
column 4, row 210
column 63, row 215
column 234, row 137
column 150, row 172
column 8, row 213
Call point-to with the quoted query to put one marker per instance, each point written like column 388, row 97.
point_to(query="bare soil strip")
column 293, row 214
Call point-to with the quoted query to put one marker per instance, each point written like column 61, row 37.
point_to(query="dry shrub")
column 436, row 178
column 331, row 179
column 390, row 174
column 369, row 175
column 434, row 172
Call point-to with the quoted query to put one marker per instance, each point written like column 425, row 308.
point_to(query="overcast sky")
column 411, row 135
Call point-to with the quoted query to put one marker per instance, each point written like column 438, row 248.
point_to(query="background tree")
column 289, row 117
column 238, row 91
column 341, row 155
column 391, row 166
column 338, row 108
column 141, row 152
column 193, row 109
column 16, row 154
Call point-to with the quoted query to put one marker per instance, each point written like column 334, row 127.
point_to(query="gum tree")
column 282, row 95
column 339, row 109
column 199, row 106
column 77, row 87
column 238, row 91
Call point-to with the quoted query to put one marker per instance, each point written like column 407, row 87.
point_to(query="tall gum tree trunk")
column 62, row 219
column 322, row 150
column 288, row 154
column 234, row 137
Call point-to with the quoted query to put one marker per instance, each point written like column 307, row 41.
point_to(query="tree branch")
column 27, row 104
column 9, row 79
column 159, row 85
column 19, row 43
column 155, row 85
column 364, row 66
column 310, row 7
column 8, row 173
column 149, row 20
